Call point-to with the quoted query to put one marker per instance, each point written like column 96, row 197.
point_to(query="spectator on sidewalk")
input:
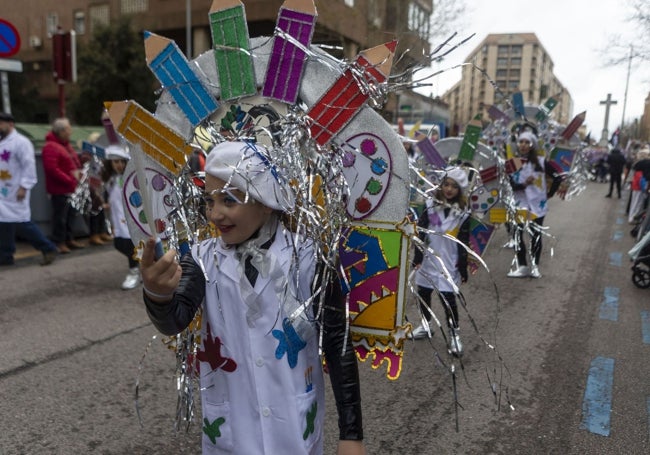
column 17, row 178
column 616, row 163
column 62, row 173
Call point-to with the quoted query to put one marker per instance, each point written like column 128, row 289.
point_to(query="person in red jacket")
column 62, row 172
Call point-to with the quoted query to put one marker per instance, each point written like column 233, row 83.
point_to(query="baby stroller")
column 640, row 254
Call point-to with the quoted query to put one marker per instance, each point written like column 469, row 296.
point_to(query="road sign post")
column 9, row 45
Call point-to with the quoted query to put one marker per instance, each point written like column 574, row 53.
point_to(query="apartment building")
column 515, row 62
column 344, row 26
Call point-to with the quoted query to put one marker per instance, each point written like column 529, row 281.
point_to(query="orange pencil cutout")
column 138, row 126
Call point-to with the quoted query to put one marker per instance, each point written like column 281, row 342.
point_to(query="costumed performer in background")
column 531, row 194
column 446, row 213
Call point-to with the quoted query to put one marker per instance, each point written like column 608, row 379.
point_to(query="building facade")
column 344, row 27
column 514, row 62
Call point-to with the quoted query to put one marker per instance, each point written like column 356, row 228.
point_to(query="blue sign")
column 9, row 39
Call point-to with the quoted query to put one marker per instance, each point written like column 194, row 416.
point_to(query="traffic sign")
column 9, row 39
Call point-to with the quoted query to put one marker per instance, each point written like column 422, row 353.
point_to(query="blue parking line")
column 618, row 235
column 597, row 403
column 616, row 258
column 647, row 403
column 609, row 305
column 619, row 220
column 645, row 326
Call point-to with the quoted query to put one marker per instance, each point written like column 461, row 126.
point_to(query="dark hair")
column 460, row 198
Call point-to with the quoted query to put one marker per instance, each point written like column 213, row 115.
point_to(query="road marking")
column 619, row 220
column 597, row 403
column 645, row 326
column 616, row 258
column 647, row 404
column 618, row 235
column 609, row 305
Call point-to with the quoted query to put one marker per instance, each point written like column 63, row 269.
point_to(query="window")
column 515, row 74
column 418, row 21
column 99, row 15
column 503, row 50
column 502, row 63
column 515, row 50
column 80, row 22
column 135, row 6
column 502, row 73
column 52, row 23
column 515, row 61
column 513, row 84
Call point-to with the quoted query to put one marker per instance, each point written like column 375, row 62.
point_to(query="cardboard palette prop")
column 276, row 76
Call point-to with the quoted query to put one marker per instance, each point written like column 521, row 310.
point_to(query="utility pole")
column 627, row 83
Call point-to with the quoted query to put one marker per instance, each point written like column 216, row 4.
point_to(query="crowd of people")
column 63, row 168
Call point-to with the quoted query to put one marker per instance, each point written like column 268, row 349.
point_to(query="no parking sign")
column 9, row 39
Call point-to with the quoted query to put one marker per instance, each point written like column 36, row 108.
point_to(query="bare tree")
column 447, row 18
column 637, row 47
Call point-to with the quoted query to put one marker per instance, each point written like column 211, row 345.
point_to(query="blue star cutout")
column 288, row 341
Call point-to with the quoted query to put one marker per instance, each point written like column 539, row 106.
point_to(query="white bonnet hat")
column 459, row 176
column 117, row 152
column 528, row 136
column 247, row 167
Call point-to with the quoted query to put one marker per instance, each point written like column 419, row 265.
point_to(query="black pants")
column 535, row 240
column 448, row 300
column 125, row 246
column 63, row 216
column 615, row 178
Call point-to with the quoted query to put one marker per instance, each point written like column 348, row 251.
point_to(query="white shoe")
column 534, row 272
column 510, row 244
column 132, row 279
column 521, row 272
column 420, row 332
column 455, row 345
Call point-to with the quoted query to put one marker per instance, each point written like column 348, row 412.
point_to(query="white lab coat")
column 17, row 169
column 116, row 201
column 431, row 273
column 264, row 402
column 533, row 198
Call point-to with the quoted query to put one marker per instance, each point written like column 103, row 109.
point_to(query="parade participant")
column 113, row 176
column 62, row 173
column 261, row 377
column 447, row 213
column 17, row 178
column 531, row 194
column 639, row 186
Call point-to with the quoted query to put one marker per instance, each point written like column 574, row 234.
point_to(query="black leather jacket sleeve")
column 343, row 367
column 174, row 316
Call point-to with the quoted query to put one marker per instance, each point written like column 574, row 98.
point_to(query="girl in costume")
column 531, row 194
column 113, row 176
column 444, row 260
column 262, row 385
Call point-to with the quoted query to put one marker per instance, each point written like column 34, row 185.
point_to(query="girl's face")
column 118, row 166
column 450, row 189
column 236, row 221
column 524, row 146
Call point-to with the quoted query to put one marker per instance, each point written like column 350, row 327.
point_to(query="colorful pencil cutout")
column 111, row 134
column 574, row 125
column 430, row 153
column 172, row 69
column 157, row 140
column 343, row 100
column 297, row 18
column 496, row 114
column 518, row 105
column 470, row 140
column 545, row 109
column 232, row 49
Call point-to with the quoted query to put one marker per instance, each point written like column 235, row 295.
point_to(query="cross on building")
column 608, row 103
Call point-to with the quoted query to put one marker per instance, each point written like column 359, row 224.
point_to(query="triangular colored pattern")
column 173, row 71
column 158, row 141
column 287, row 63
column 231, row 51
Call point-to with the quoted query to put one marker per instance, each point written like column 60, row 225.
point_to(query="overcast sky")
column 572, row 32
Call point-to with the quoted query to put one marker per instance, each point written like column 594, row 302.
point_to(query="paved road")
column 71, row 344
